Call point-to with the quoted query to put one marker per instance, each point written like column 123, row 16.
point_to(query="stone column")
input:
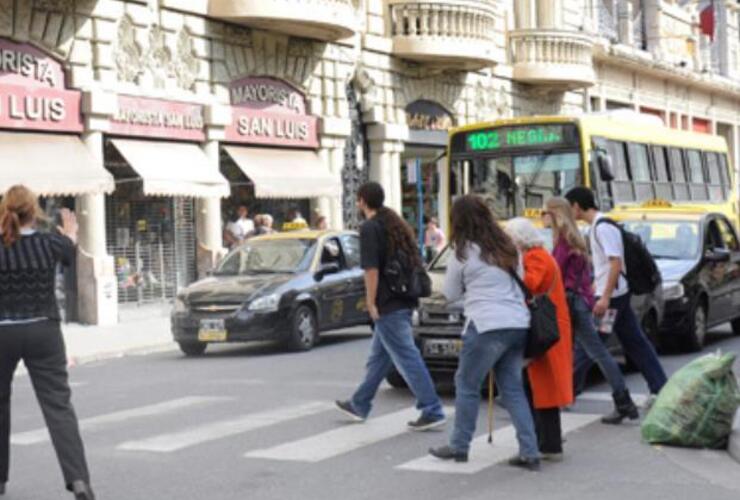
column 323, row 203
column 96, row 277
column 386, row 145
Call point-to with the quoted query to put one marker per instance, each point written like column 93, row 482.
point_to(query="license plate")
column 212, row 330
column 447, row 348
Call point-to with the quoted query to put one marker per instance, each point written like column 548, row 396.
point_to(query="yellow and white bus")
column 628, row 160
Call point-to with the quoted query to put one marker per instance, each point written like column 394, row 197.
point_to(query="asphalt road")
column 257, row 423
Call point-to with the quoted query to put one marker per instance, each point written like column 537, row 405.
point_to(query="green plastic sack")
column 696, row 406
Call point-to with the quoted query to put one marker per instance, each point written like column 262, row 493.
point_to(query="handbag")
column 543, row 328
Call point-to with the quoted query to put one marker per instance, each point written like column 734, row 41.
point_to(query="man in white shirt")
column 237, row 231
column 611, row 287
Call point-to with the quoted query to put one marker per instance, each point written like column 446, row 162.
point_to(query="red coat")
column 550, row 376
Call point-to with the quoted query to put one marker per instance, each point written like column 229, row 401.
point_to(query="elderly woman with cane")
column 479, row 272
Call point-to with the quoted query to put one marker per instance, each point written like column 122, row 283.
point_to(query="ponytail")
column 10, row 226
column 19, row 207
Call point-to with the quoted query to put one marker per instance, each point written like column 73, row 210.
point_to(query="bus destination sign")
column 490, row 140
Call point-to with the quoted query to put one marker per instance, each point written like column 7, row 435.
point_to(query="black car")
column 286, row 287
column 699, row 257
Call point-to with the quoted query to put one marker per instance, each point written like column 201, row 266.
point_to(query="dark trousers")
column 636, row 345
column 546, row 424
column 41, row 347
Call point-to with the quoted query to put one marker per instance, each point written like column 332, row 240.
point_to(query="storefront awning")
column 50, row 165
column 173, row 169
column 285, row 173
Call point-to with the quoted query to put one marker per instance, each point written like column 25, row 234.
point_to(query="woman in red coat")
column 550, row 376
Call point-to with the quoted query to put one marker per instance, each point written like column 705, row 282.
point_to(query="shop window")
column 716, row 191
column 697, row 179
column 639, row 164
column 661, row 174
column 678, row 174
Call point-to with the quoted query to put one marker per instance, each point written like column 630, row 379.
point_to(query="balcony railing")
column 326, row 20
column 449, row 33
column 551, row 57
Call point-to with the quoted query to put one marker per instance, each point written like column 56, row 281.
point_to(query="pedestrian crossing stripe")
column 91, row 424
column 343, row 440
column 484, row 455
column 175, row 441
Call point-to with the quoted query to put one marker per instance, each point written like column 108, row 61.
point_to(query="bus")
column 629, row 160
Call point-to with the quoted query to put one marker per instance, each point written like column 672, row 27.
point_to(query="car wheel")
column 305, row 330
column 396, row 380
column 650, row 327
column 193, row 348
column 694, row 338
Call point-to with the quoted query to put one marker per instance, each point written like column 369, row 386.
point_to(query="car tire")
column 697, row 331
column 193, row 349
column 304, row 333
column 395, row 380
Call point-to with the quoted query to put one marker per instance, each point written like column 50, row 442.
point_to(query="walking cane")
column 490, row 406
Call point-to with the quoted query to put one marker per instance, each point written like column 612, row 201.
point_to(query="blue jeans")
column 393, row 344
column 590, row 344
column 636, row 345
column 504, row 351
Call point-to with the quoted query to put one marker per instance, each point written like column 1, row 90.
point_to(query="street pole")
column 420, row 206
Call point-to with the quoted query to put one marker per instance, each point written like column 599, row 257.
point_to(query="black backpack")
column 406, row 280
column 642, row 274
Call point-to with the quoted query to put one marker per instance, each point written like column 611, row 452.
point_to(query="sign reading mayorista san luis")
column 266, row 111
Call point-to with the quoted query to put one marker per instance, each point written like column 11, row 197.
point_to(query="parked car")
column 286, row 287
column 699, row 257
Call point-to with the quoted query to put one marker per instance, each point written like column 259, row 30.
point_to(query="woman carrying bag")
column 30, row 331
column 478, row 272
column 550, row 375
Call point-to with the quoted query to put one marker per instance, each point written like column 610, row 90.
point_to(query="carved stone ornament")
column 186, row 65
column 54, row 5
column 128, row 56
column 158, row 59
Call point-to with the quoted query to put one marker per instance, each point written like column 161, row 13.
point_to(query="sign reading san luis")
column 33, row 95
column 157, row 118
column 270, row 112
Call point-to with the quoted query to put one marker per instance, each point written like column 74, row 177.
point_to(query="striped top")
column 28, row 275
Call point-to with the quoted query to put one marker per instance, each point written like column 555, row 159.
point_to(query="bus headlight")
column 673, row 290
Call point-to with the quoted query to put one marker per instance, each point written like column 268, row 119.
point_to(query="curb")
column 734, row 446
column 73, row 360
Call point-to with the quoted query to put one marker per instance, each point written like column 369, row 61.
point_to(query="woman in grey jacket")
column 479, row 272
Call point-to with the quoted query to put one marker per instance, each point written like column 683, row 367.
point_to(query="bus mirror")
column 604, row 161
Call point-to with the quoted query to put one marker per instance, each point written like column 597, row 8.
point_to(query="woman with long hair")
column 30, row 330
column 571, row 253
column 480, row 272
column 550, row 375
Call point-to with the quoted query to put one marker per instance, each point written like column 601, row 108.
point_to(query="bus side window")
column 696, row 175
column 639, row 163
column 716, row 192
column 724, row 172
column 661, row 177
column 678, row 175
column 622, row 188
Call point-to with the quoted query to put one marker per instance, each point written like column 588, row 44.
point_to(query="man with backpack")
column 389, row 255
column 622, row 266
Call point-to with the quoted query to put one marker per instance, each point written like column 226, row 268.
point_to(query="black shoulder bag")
column 543, row 328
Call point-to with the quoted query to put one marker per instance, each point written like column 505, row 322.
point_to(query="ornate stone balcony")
column 326, row 20
column 552, row 58
column 456, row 33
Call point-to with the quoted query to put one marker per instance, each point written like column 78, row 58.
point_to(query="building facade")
column 154, row 119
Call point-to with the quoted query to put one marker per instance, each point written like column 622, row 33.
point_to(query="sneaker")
column 447, row 453
column 531, row 464
column 425, row 423
column 349, row 410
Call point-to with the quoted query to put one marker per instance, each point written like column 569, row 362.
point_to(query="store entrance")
column 420, row 186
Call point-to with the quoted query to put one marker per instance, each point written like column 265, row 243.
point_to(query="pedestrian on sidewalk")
column 550, row 375
column 383, row 236
column 611, row 288
column 30, row 330
column 571, row 253
column 479, row 272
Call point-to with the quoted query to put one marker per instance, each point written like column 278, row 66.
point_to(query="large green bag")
column 697, row 405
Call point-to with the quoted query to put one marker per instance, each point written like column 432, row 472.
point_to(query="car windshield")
column 268, row 256
column 675, row 240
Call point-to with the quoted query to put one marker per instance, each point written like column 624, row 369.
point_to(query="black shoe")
column 2, row 488
column 349, row 410
column 447, row 453
column 531, row 464
column 82, row 491
column 624, row 407
column 426, row 423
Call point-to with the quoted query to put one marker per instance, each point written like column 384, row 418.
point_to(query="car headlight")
column 180, row 305
column 673, row 290
column 415, row 318
column 268, row 303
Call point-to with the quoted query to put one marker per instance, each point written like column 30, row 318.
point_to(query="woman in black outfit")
column 30, row 330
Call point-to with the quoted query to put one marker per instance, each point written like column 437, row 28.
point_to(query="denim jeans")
column 393, row 344
column 504, row 351
column 636, row 345
column 590, row 343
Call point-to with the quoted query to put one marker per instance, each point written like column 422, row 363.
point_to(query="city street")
column 255, row 422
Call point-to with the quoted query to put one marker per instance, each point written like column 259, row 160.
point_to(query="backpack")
column 406, row 280
column 642, row 274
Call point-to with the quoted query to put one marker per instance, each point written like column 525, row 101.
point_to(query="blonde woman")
column 571, row 253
